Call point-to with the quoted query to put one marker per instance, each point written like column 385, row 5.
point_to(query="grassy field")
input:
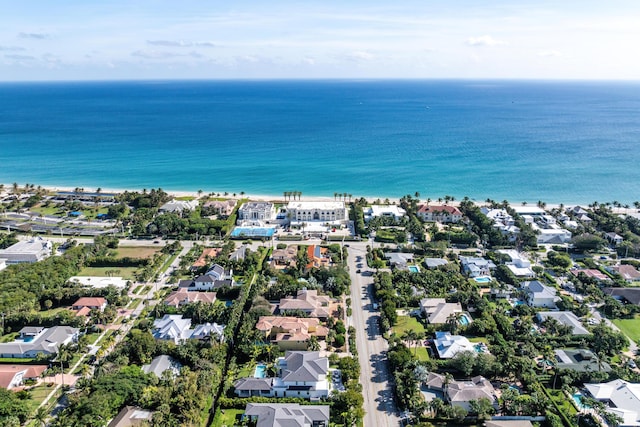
column 9, row 337
column 142, row 252
column 630, row 327
column 406, row 323
column 227, row 417
column 126, row 273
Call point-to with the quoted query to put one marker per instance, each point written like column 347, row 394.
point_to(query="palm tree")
column 41, row 415
column 335, row 196
column 15, row 188
column 350, row 196
column 454, row 321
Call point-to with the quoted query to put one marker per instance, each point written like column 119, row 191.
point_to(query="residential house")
column 433, row 263
column 621, row 398
column 377, row 211
column 462, row 393
column 178, row 206
column 220, row 207
column 216, row 277
column 309, row 302
column 552, row 235
column 613, row 238
column 84, row 305
column 324, row 212
column 12, row 376
column 291, row 333
column 442, row 214
column 540, row 295
column 628, row 272
column 508, row 423
column 632, row 295
column 399, row 260
column 438, row 310
column 284, row 258
column 184, row 296
column 208, row 331
column 35, row 340
column 519, row 265
column 27, row 251
column 564, row 318
column 580, row 360
column 300, row 374
column 205, row 257
column 448, row 345
column 287, row 415
column 131, row 416
column 160, row 364
column 173, row 327
column 503, row 221
column 476, row 266
column 591, row 272
column 318, row 257
column 256, row 213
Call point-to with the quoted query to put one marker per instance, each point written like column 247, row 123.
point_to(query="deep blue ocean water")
column 571, row 142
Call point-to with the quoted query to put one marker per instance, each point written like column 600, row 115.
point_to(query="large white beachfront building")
column 320, row 212
column 257, row 213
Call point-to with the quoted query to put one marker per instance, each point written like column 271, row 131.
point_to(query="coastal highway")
column 380, row 409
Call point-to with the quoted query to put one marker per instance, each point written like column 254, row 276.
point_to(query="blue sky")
column 118, row 39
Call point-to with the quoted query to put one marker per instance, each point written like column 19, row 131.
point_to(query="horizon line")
column 329, row 79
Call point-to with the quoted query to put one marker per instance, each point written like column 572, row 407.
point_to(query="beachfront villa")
column 462, row 392
column 377, row 211
column 566, row 318
column 334, row 213
column 256, row 213
column 444, row 214
column 438, row 311
column 178, row 206
column 448, row 345
column 540, row 295
column 476, row 266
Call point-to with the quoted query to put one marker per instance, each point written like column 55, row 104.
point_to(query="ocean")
column 560, row 142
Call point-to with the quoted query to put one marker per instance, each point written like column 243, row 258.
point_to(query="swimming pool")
column 577, row 398
column 483, row 279
column 261, row 371
column 464, row 320
column 414, row 269
column 253, row 232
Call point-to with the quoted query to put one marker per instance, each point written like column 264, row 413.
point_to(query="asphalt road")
column 380, row 409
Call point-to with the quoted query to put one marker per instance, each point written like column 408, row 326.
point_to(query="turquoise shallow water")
column 555, row 141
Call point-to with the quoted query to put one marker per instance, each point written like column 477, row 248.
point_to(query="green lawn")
column 126, row 273
column 227, row 417
column 9, row 337
column 141, row 252
column 406, row 323
column 479, row 339
column 630, row 327
column 421, row 353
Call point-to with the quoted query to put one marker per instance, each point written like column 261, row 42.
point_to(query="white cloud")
column 359, row 56
column 20, row 57
column 34, row 36
column 179, row 43
column 549, row 53
column 484, row 41
column 11, row 49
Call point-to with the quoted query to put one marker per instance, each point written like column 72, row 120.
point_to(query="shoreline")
column 280, row 197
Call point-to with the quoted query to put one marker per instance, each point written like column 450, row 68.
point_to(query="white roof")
column 379, row 210
column 449, row 345
column 99, row 281
column 528, row 210
column 328, row 205
column 566, row 318
column 625, row 396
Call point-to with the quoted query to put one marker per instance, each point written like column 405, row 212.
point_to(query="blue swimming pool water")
column 252, row 232
column 577, row 397
column 464, row 320
column 482, row 279
column 414, row 269
column 261, row 371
